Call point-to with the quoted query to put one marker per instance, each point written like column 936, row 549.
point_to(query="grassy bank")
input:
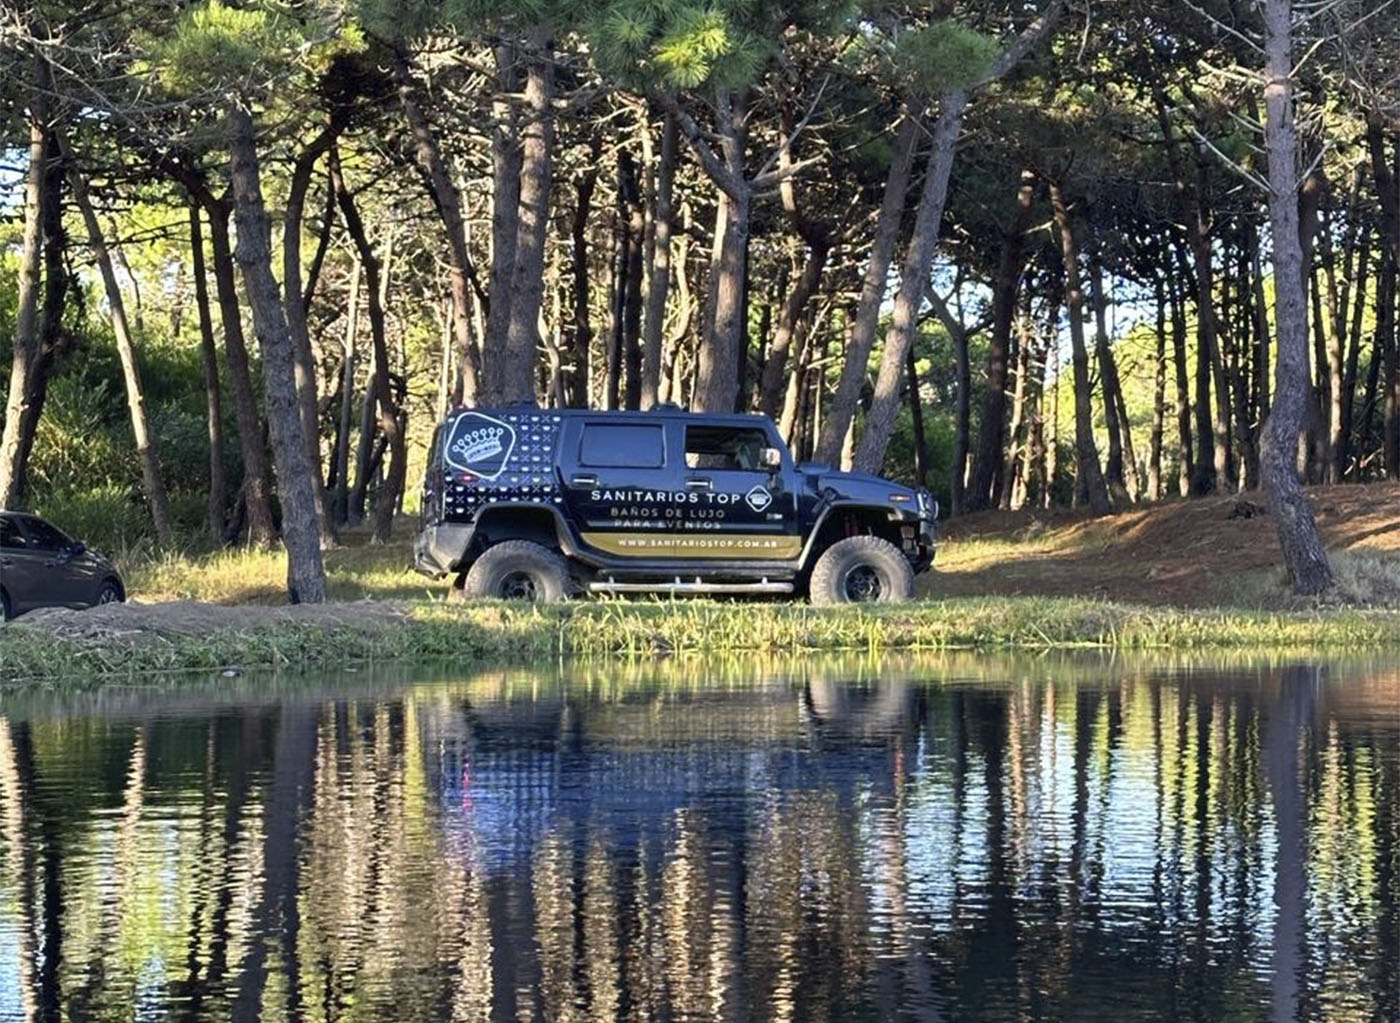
column 122, row 640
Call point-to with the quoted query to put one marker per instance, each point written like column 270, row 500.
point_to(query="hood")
column 852, row 484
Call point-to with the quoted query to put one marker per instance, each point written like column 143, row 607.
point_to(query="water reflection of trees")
column 1126, row 845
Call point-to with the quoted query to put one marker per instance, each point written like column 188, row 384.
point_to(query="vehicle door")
column 64, row 579
column 21, row 567
column 620, row 483
column 750, row 507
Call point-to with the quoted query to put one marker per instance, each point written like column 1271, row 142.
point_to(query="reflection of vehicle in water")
column 513, row 770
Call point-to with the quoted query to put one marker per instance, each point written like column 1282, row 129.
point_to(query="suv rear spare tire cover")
column 518, row 570
column 861, row 569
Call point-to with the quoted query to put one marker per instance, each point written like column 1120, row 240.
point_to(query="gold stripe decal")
column 696, row 545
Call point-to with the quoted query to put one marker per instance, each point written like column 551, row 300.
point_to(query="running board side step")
column 678, row 585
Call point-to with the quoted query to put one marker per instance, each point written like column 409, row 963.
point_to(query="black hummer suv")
column 535, row 504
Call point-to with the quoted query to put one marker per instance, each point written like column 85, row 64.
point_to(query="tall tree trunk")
column 1391, row 423
column 789, row 316
column 301, row 535
column 505, row 227
column 658, row 270
column 256, row 499
column 1293, row 518
column 1033, row 452
column 146, row 452
column 26, row 330
column 303, row 359
column 617, row 296
column 633, row 231
column 1052, row 382
column 53, row 339
column 1159, row 399
column 382, row 387
column 962, row 420
column 1186, row 459
column 447, row 200
column 1208, row 452
column 722, row 346
column 218, row 482
column 583, row 325
column 916, row 415
column 340, row 500
column 879, row 421
column 1108, row 378
column 1353, row 360
column 1012, row 479
column 1090, row 476
column 988, row 462
column 842, row 407
column 536, row 171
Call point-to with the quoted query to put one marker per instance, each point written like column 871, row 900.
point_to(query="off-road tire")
column 861, row 569
column 518, row 570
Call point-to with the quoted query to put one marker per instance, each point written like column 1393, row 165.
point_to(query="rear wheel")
column 861, row 570
column 518, row 570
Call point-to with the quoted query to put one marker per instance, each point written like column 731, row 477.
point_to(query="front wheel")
column 518, row 570
column 861, row 570
column 111, row 593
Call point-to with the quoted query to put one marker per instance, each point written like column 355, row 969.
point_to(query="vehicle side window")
column 44, row 536
column 10, row 536
column 617, row 446
column 725, row 447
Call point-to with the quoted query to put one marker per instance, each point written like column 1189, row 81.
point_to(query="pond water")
column 960, row 838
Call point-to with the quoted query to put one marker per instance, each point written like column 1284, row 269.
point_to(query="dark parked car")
column 528, row 503
column 42, row 567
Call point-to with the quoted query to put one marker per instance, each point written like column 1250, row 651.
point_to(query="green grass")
column 425, row 632
column 354, row 571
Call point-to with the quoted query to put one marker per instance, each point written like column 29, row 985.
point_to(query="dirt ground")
column 134, row 621
column 1183, row 553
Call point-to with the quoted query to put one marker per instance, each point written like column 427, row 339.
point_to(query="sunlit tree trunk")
column 1090, row 481
column 301, row 534
column 146, row 452
column 536, row 171
column 256, row 499
column 879, row 421
column 304, row 361
column 855, row 365
column 1292, row 515
column 53, row 339
column 505, row 226
column 25, row 352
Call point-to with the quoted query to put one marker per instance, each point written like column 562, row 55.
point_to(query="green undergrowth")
column 498, row 632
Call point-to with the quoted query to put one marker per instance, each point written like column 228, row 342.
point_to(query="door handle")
column 699, row 484
column 584, row 481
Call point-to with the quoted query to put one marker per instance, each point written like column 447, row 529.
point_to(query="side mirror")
column 771, row 459
column 77, row 549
